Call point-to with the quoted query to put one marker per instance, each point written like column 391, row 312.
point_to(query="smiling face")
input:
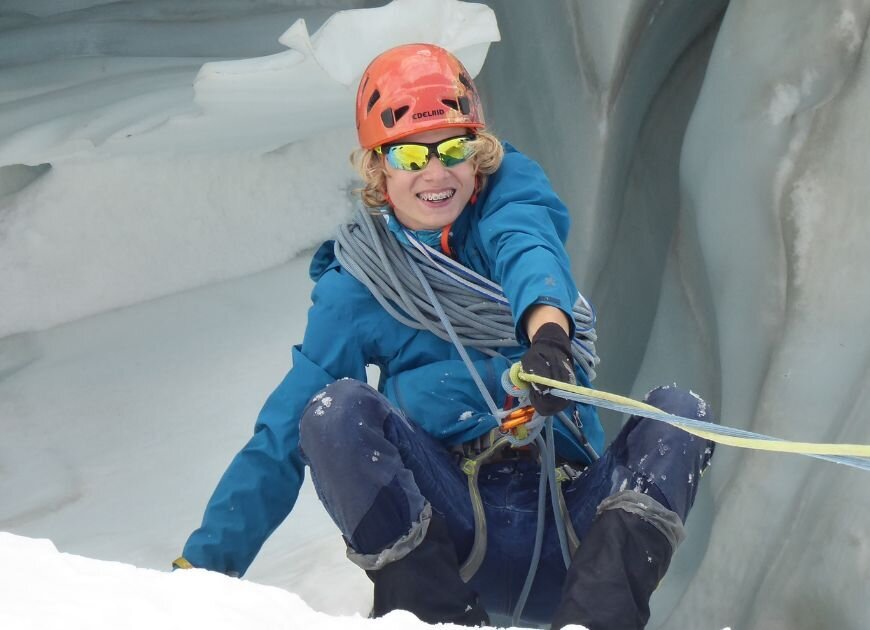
column 435, row 196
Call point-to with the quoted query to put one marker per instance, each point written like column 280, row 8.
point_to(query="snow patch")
column 787, row 97
column 784, row 102
column 702, row 404
column 847, row 30
column 663, row 448
column 807, row 212
column 785, row 168
column 43, row 588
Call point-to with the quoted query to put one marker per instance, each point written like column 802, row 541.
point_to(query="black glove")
column 549, row 356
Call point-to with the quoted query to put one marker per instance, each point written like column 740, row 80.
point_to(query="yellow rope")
column 522, row 379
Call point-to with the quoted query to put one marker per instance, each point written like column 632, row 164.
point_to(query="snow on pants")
column 378, row 475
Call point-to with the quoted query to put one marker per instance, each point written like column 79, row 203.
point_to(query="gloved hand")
column 549, row 356
column 181, row 563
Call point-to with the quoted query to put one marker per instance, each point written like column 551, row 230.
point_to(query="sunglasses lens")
column 415, row 157
column 408, row 157
column 453, row 151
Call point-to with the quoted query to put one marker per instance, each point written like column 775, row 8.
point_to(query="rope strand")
column 854, row 455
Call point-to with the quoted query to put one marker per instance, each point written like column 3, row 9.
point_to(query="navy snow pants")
column 377, row 474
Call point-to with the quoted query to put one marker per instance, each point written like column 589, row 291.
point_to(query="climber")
column 386, row 462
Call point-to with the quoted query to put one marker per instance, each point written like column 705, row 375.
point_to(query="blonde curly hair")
column 486, row 155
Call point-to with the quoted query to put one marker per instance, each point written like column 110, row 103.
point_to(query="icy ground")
column 77, row 593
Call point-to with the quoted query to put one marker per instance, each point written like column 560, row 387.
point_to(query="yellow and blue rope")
column 855, row 455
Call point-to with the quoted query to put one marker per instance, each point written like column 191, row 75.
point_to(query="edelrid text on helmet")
column 434, row 112
column 413, row 88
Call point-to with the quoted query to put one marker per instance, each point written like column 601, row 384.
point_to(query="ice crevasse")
column 712, row 154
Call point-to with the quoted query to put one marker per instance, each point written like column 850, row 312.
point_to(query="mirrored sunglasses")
column 414, row 156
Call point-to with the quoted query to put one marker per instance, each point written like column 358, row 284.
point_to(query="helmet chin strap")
column 476, row 190
column 445, row 240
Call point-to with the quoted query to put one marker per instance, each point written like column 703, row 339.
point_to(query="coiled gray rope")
column 475, row 306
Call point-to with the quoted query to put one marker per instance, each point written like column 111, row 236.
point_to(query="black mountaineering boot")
column 426, row 582
column 619, row 564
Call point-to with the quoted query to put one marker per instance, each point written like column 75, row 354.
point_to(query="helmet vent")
column 387, row 118
column 450, row 103
column 464, row 105
column 372, row 100
column 401, row 112
column 465, row 81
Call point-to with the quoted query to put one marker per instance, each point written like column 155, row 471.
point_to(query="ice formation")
column 713, row 157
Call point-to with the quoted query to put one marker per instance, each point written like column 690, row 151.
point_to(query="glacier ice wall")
column 712, row 154
column 773, row 186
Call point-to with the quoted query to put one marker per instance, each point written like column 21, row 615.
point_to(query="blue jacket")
column 513, row 234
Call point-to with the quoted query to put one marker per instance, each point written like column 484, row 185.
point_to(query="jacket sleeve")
column 261, row 484
column 523, row 229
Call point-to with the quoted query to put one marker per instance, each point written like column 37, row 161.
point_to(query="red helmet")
column 414, row 88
